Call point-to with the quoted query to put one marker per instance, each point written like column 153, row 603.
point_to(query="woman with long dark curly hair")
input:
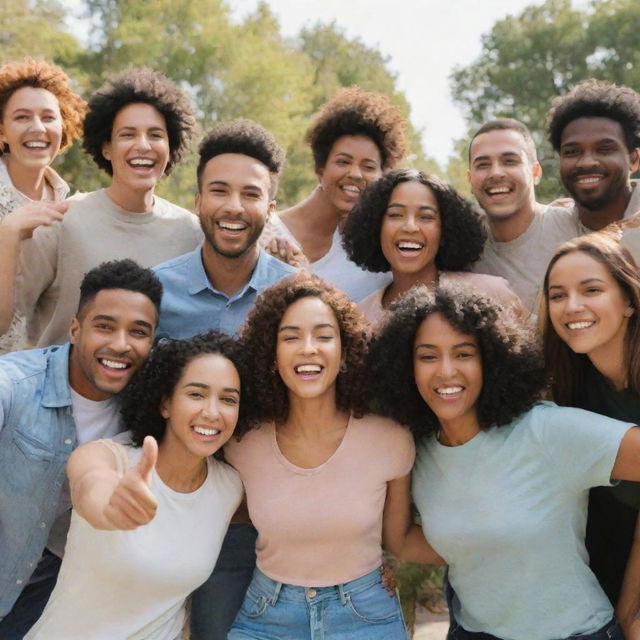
column 591, row 334
column 151, row 507
column 501, row 479
column 316, row 473
column 424, row 232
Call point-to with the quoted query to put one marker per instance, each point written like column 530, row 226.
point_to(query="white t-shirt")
column 133, row 584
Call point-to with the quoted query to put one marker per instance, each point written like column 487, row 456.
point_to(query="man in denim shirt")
column 51, row 400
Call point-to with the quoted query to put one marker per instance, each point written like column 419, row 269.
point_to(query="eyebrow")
column 29, row 110
column 585, row 281
column 104, row 316
column 422, row 206
column 291, row 327
column 223, row 183
column 134, row 128
column 455, row 346
column 348, row 155
column 202, row 385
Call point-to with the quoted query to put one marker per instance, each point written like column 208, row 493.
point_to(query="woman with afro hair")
column 501, row 479
column 355, row 138
column 40, row 116
column 421, row 229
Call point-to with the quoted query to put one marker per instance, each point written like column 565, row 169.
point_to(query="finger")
column 134, row 501
column 60, row 206
column 148, row 459
column 125, row 518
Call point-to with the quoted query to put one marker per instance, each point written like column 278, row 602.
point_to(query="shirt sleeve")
column 581, row 445
column 5, row 397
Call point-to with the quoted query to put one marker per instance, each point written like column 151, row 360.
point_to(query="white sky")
column 424, row 39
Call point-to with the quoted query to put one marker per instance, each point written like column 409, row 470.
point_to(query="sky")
column 424, row 39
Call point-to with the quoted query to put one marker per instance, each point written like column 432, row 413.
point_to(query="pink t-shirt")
column 322, row 526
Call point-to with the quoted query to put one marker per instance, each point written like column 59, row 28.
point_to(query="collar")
column 56, row 391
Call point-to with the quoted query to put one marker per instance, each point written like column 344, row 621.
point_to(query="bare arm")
column 627, row 464
column 105, row 498
column 628, row 606
column 400, row 536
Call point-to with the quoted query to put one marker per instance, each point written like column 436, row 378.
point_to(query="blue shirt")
column 37, row 435
column 191, row 305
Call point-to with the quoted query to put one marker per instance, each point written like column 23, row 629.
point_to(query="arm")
column 400, row 536
column 627, row 464
column 285, row 250
column 105, row 498
column 628, row 606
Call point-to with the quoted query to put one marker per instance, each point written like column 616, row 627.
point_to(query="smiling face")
column 595, row 164
column 202, row 411
column 502, row 175
column 309, row 349
column 447, row 366
column 587, row 308
column 352, row 164
column 32, row 127
column 110, row 339
column 234, row 203
column 139, row 148
column 411, row 230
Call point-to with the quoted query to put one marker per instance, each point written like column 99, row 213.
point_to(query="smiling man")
column 51, row 400
column 136, row 130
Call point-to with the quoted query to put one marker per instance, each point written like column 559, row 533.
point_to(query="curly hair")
column 512, row 365
column 120, row 274
column 565, row 366
column 247, row 138
column 260, row 334
column 131, row 86
column 352, row 111
column 463, row 231
column 157, row 378
column 42, row 75
column 596, row 99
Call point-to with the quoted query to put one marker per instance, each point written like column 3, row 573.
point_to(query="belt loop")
column 344, row 597
column 276, row 593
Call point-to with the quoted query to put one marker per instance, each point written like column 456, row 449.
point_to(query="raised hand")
column 282, row 248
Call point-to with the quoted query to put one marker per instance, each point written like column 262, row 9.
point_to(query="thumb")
column 148, row 459
column 60, row 206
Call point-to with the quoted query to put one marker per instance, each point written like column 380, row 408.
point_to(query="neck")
column 513, row 226
column 311, row 416
column 28, row 180
column 319, row 215
column 611, row 364
column 178, row 468
column 607, row 213
column 453, row 433
column 402, row 282
column 132, row 200
column 228, row 275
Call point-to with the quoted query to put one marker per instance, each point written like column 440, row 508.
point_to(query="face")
column 139, row 147
column 353, row 163
column 309, row 350
column 32, row 127
column 448, row 370
column 595, row 165
column 202, row 411
column 234, row 203
column 411, row 229
column 502, row 175
column 111, row 340
column 587, row 307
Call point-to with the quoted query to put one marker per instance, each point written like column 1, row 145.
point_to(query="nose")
column 37, row 124
column 574, row 303
column 142, row 142
column 496, row 169
column 409, row 223
column 447, row 367
column 120, row 341
column 233, row 204
column 309, row 345
column 587, row 159
column 211, row 410
column 355, row 172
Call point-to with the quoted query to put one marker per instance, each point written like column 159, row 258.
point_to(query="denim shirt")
column 37, row 435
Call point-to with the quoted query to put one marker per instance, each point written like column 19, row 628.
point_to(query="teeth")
column 409, row 245
column 351, row 189
column 112, row 364
column 141, row 162
column 308, row 368
column 589, row 180
column 580, row 325
column 499, row 190
column 448, row 391
column 232, row 226
column 36, row 144
column 206, row 432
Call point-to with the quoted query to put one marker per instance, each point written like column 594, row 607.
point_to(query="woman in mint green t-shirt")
column 501, row 479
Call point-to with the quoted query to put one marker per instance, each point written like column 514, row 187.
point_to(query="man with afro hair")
column 137, row 128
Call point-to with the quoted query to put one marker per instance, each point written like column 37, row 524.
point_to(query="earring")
column 343, row 367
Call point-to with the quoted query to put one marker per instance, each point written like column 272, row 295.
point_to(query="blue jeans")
column 215, row 604
column 610, row 631
column 33, row 599
column 361, row 609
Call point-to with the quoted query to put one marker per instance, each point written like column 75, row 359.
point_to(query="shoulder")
column 254, row 442
column 222, row 472
column 495, row 286
column 274, row 269
column 25, row 364
column 165, row 209
column 174, row 266
column 384, row 430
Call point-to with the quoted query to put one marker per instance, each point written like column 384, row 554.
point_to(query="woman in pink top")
column 317, row 473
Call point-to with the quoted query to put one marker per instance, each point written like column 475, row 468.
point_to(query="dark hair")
column 247, row 138
column 463, row 231
column 596, row 99
column 352, row 111
column 128, row 87
column 120, row 274
column 260, row 334
column 508, row 124
column 512, row 366
column 566, row 367
column 42, row 75
column 157, row 378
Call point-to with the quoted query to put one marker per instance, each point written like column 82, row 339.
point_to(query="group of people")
column 233, row 413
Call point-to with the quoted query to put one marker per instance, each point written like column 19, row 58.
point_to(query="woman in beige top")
column 420, row 228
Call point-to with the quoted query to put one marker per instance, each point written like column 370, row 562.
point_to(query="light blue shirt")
column 191, row 305
column 507, row 511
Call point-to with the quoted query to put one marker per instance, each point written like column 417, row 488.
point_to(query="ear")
column 106, row 150
column 469, row 176
column 271, row 209
column 3, row 138
column 629, row 311
column 536, row 170
column 319, row 173
column 197, row 204
column 635, row 160
column 164, row 408
column 74, row 329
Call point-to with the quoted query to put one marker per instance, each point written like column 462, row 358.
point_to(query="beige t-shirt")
column 323, row 526
column 94, row 230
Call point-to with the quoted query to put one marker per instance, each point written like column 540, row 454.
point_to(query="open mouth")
column 497, row 192
column 204, row 431
column 308, row 370
column 409, row 247
column 141, row 163
column 449, row 392
column 583, row 324
column 233, row 227
column 36, row 144
column 351, row 189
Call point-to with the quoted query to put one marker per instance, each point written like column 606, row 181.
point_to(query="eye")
column 428, row 217
column 554, row 297
column 482, row 165
column 427, row 357
column 569, row 152
column 103, row 326
column 325, row 338
column 394, row 215
column 230, row 400
column 196, row 395
column 463, row 355
column 289, row 338
column 370, row 167
column 593, row 290
column 140, row 333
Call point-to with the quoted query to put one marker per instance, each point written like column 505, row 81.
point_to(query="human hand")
column 132, row 504
column 283, row 249
column 24, row 220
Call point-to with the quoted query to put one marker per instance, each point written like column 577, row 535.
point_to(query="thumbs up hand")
column 132, row 504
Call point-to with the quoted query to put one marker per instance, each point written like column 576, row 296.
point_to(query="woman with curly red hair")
column 40, row 116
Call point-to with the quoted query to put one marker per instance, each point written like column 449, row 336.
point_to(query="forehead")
column 236, row 169
column 123, row 305
column 213, row 369
column 497, row 143
column 575, row 267
column 308, row 310
column 357, row 146
column 139, row 115
column 436, row 330
column 413, row 190
column 584, row 130
column 32, row 98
